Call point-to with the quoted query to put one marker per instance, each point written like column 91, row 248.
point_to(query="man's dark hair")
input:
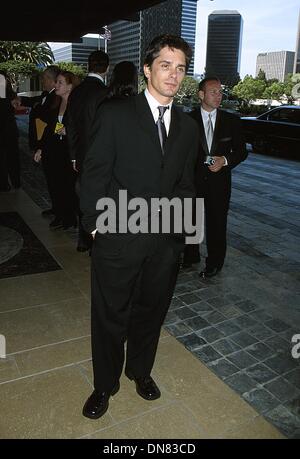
column 172, row 41
column 53, row 71
column 98, row 62
column 203, row 82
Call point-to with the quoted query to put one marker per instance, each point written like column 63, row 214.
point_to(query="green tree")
column 78, row 70
column 274, row 91
column 249, row 89
column 188, row 92
column 17, row 71
column 261, row 75
column 38, row 53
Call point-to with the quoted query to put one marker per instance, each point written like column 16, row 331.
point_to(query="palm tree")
column 38, row 53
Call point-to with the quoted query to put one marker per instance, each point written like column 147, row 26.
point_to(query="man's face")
column 47, row 82
column 166, row 74
column 211, row 96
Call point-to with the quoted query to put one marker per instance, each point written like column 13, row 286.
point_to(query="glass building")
column 224, row 42
column 130, row 38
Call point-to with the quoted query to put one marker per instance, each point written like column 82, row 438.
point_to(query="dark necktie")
column 161, row 126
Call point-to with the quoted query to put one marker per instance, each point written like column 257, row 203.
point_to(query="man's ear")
column 147, row 71
column 201, row 95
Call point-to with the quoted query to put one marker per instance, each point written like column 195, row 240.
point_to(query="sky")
column 268, row 25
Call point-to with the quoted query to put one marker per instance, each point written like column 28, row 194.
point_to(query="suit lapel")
column 146, row 120
column 174, row 131
column 202, row 131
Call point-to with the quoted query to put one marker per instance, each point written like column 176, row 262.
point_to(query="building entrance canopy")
column 64, row 20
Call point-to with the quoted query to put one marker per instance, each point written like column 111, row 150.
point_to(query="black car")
column 275, row 132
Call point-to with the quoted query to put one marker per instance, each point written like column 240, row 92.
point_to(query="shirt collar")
column 96, row 75
column 153, row 103
column 212, row 114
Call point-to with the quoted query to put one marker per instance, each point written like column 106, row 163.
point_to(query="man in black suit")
column 221, row 144
column 83, row 103
column 40, row 106
column 147, row 147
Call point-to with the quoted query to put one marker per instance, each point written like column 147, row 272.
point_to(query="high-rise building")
column 224, row 42
column 296, row 68
column 130, row 39
column 76, row 52
column 276, row 64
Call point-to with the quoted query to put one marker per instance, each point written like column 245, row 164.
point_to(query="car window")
column 286, row 115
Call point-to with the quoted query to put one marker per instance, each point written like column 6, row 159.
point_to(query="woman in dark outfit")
column 54, row 153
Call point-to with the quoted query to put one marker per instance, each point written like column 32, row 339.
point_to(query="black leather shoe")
column 207, row 273
column 97, row 403
column 145, row 387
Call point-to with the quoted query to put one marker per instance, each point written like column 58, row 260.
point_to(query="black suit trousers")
column 132, row 286
column 217, row 193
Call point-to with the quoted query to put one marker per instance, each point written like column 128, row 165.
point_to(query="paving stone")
column 282, row 389
column 197, row 323
column 201, row 307
column 260, row 315
column 185, row 313
column 293, row 377
column 210, row 334
column 280, row 364
column 243, row 339
column 226, row 346
column 214, row 317
column 261, row 373
column 242, row 359
column 223, row 368
column 241, row 382
column 277, row 325
column 246, row 306
column 178, row 329
column 228, row 328
column 192, row 341
column 284, row 420
column 260, row 351
column 278, row 344
column 260, row 332
column 189, row 298
column 229, row 311
column 207, row 354
column 176, row 303
column 261, row 399
column 244, row 321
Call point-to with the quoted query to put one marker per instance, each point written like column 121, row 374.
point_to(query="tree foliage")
column 78, row 70
column 17, row 70
column 38, row 53
column 188, row 92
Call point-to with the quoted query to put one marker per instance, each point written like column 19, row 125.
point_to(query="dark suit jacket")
column 228, row 141
column 83, row 103
column 38, row 110
column 126, row 154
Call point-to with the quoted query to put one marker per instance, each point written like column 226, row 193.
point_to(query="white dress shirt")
column 153, row 104
column 96, row 75
column 213, row 116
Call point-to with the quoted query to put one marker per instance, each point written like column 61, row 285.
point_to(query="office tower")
column 296, row 68
column 276, row 64
column 77, row 53
column 224, row 41
column 130, row 39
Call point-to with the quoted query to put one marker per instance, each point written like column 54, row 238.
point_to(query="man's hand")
column 16, row 102
column 37, row 156
column 219, row 163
